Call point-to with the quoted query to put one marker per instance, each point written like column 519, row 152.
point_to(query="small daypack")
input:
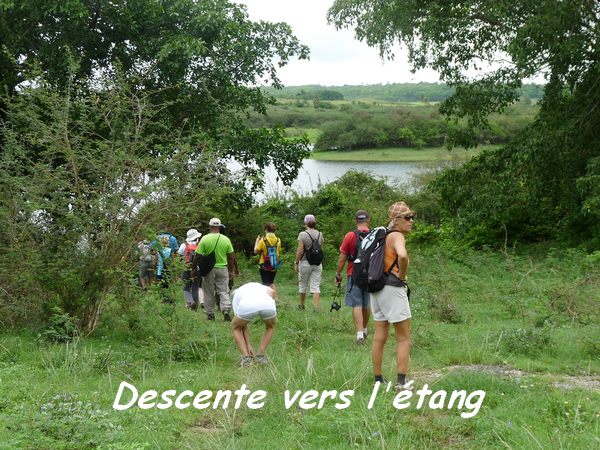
column 360, row 235
column 272, row 261
column 146, row 252
column 189, row 252
column 205, row 263
column 368, row 272
column 314, row 254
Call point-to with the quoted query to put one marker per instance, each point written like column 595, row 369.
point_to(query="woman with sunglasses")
column 390, row 305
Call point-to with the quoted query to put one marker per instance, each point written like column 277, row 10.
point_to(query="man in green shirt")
column 218, row 278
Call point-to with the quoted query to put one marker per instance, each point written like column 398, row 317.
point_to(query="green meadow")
column 521, row 325
column 400, row 154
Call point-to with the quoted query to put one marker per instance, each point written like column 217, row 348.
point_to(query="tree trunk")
column 91, row 315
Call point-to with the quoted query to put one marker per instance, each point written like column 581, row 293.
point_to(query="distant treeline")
column 396, row 92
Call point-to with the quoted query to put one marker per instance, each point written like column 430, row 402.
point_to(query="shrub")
column 528, row 342
column 62, row 327
column 444, row 309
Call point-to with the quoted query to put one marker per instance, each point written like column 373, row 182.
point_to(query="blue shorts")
column 355, row 297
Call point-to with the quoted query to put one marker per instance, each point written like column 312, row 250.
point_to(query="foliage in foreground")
column 109, row 130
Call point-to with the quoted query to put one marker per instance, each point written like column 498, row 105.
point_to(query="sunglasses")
column 409, row 218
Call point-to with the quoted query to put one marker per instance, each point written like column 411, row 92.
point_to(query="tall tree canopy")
column 204, row 58
column 544, row 183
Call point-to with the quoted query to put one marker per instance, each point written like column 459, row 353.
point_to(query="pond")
column 314, row 173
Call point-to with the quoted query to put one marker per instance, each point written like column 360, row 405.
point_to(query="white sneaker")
column 407, row 386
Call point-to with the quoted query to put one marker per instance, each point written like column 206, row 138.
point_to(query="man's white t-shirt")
column 251, row 298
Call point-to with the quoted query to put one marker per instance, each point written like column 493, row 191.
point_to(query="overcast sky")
column 336, row 58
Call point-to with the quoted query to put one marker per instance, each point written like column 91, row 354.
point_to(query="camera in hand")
column 335, row 305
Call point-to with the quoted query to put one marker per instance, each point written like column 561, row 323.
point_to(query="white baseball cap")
column 215, row 222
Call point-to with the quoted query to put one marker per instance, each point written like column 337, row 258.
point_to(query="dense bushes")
column 403, row 128
column 335, row 205
column 543, row 185
column 84, row 177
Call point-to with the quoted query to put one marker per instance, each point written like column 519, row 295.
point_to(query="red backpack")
column 190, row 251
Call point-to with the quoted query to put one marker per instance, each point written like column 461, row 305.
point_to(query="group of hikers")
column 376, row 263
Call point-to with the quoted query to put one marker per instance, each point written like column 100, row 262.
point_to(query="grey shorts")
column 355, row 297
column 264, row 314
column 390, row 304
column 146, row 269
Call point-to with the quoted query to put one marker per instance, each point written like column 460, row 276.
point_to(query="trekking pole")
column 335, row 305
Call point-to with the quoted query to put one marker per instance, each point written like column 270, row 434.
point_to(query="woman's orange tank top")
column 389, row 258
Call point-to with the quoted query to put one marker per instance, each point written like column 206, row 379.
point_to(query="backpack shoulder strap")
column 357, row 242
column 216, row 243
column 395, row 263
column 266, row 241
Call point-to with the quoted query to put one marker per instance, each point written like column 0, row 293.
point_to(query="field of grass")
column 399, row 154
column 311, row 133
column 522, row 326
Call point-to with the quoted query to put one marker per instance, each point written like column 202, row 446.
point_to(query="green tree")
column 202, row 59
column 329, row 94
column 117, row 116
column 560, row 39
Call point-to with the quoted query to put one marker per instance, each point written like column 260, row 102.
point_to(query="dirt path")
column 559, row 381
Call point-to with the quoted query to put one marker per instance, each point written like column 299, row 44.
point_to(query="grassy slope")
column 398, row 154
column 489, row 295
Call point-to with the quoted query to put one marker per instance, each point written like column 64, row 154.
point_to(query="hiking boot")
column 246, row 361
column 210, row 317
column 261, row 359
column 407, row 386
column 384, row 382
column 226, row 316
column 301, row 307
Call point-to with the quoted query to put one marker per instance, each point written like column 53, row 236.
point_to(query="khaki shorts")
column 309, row 277
column 390, row 304
column 264, row 314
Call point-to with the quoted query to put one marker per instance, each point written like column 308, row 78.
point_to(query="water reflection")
column 315, row 173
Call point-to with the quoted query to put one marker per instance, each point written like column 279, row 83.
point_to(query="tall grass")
column 60, row 395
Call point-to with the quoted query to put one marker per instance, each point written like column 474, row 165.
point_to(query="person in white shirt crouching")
column 250, row 301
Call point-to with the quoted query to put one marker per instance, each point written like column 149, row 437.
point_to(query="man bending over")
column 250, row 301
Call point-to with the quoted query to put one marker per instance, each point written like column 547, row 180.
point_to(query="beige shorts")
column 309, row 277
column 390, row 304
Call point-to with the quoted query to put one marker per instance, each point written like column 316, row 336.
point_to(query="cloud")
column 336, row 57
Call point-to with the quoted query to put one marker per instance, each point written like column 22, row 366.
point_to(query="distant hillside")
column 399, row 92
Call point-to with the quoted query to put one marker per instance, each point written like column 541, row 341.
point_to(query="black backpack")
column 368, row 271
column 314, row 254
column 360, row 235
column 205, row 263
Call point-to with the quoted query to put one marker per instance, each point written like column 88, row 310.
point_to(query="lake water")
column 315, row 173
